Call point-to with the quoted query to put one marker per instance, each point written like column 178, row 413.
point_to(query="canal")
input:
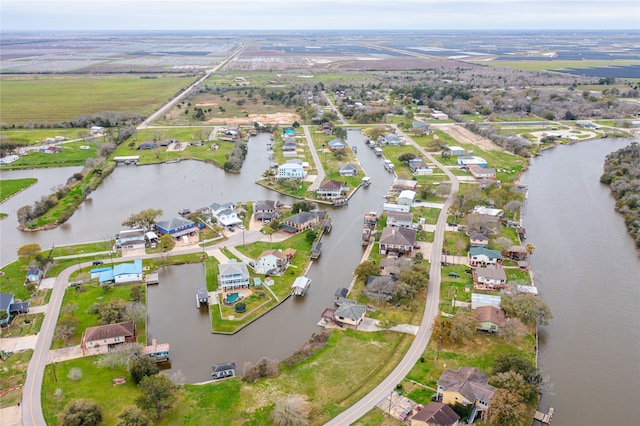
column 588, row 270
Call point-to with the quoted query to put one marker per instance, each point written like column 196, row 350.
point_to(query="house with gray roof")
column 435, row 414
column 33, row 274
column 302, row 221
column 348, row 169
column 478, row 239
column 265, row 210
column 233, row 275
column 397, row 239
column 489, row 278
column 399, row 219
column 465, row 386
column 225, row 214
column 176, row 227
column 420, row 168
column 350, row 314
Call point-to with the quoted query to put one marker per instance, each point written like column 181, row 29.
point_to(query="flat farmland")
column 59, row 98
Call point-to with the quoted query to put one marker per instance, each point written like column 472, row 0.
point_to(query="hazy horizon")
column 315, row 15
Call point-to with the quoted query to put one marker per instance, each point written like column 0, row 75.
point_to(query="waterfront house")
column 303, row 221
column 109, row 335
column 336, row 145
column 467, row 386
column 435, row 414
column 406, row 198
column 348, row 169
column 397, row 240
column 122, row 273
column 131, row 239
column 330, row 189
column 399, row 219
column 391, row 139
column 487, row 211
column 518, row 253
column 225, row 214
column 291, row 171
column 265, row 210
column 272, row 262
column 6, row 300
column 489, row 278
column 484, row 256
column 33, row 274
column 392, row 265
column 233, row 275
column 349, row 313
column 419, row 167
column 402, row 184
column 490, row 318
column 176, row 227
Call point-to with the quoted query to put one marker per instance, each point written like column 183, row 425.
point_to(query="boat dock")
column 544, row 417
column 315, row 251
column 300, row 286
column 202, row 297
column 157, row 352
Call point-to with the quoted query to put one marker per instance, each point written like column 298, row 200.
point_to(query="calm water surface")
column 588, row 270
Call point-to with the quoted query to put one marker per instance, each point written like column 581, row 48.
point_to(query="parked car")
column 266, row 221
column 97, row 262
column 416, row 247
column 405, row 413
column 454, row 275
column 452, row 224
column 231, row 229
column 241, row 226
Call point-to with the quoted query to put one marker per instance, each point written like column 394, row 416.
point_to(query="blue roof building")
column 121, row 273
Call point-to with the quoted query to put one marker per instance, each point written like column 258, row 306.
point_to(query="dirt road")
column 463, row 135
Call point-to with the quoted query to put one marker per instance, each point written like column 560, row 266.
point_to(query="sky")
column 318, row 14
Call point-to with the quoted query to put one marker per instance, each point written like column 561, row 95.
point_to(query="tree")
column 142, row 367
column 516, row 384
column 81, row 412
column 339, row 132
column 75, row 374
column 136, row 292
column 292, row 410
column 311, row 236
column 167, row 242
column 144, row 219
column 66, row 327
column 121, row 356
column 112, row 311
column 513, row 207
column 157, row 393
column 403, row 290
column 366, row 269
column 530, row 249
column 463, row 325
column 135, row 312
column 517, row 363
column 407, row 156
column 505, row 408
column 4, row 315
column 29, row 250
column 302, row 206
column 133, row 416
column 513, row 328
column 503, row 243
column 529, row 308
column 416, row 276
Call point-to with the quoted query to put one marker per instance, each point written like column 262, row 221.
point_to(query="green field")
column 32, row 136
column 58, row 98
column 10, row 187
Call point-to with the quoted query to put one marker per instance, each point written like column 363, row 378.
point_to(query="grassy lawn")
column 71, row 155
column 12, row 186
column 333, row 379
column 13, row 279
column 60, row 98
column 34, row 136
column 96, row 384
column 429, row 214
column 85, row 250
column 23, row 325
column 14, row 373
column 84, row 302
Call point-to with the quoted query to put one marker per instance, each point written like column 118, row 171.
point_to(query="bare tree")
column 292, row 410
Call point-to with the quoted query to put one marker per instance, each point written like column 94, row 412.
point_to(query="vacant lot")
column 52, row 99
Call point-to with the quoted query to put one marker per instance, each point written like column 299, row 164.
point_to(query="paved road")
column 336, row 110
column 418, row 346
column 316, row 159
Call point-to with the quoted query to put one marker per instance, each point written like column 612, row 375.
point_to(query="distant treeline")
column 103, row 119
column 622, row 173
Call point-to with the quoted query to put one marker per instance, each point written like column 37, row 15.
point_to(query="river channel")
column 588, row 270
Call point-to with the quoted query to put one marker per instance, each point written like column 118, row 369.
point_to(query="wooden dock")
column 544, row 417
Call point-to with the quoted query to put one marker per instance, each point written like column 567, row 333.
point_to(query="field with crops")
column 58, row 98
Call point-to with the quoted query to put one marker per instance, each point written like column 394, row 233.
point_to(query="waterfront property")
column 33, row 274
column 490, row 318
column 109, row 335
column 348, row 169
column 265, row 210
column 397, row 240
column 420, row 168
column 302, row 221
column 466, row 386
column 435, row 414
column 122, row 273
column 399, row 219
column 272, row 262
column 349, row 313
column 233, row 275
column 159, row 352
column 406, row 197
column 484, row 256
column 300, row 286
column 291, row 171
column 131, row 239
column 479, row 239
column 225, row 214
column 224, row 370
column 331, row 189
column 381, row 288
column 489, row 278
column 482, row 172
column 176, row 227
column 472, row 161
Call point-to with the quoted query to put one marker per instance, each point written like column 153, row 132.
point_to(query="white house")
column 406, row 197
column 399, row 219
column 330, row 189
column 271, row 262
column 484, row 256
column 439, row 115
column 225, row 214
column 348, row 169
column 291, row 171
column 97, row 129
column 490, row 277
column 120, row 274
column 487, row 211
column 233, row 275
column 131, row 239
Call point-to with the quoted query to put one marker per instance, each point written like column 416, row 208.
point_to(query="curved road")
column 418, row 346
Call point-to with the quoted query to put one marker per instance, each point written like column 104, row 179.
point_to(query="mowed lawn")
column 59, row 98
column 12, row 186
